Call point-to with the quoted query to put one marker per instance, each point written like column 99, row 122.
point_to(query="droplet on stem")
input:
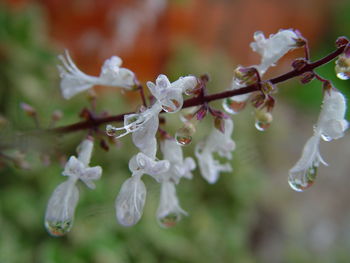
column 233, row 106
column 263, row 120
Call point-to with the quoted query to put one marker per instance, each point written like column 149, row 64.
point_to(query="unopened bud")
column 299, row 63
column 341, row 41
column 307, row 77
column 29, row 110
column 57, row 115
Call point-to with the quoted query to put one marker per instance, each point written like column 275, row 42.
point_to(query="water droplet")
column 342, row 68
column 263, row 120
column 307, row 180
column 169, row 220
column 182, row 139
column 110, row 130
column 58, row 228
column 343, row 75
column 183, row 135
column 176, row 106
column 326, row 138
column 262, row 126
column 232, row 106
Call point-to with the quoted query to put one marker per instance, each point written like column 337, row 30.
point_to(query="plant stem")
column 207, row 98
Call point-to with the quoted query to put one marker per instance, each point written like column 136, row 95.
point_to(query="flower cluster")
column 167, row 97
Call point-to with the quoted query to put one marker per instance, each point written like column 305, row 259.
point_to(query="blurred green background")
column 250, row 215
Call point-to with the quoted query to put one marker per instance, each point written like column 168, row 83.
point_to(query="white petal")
column 113, row 75
column 131, row 201
column 84, row 151
column 169, row 211
column 73, row 81
column 148, row 166
column 310, row 156
column 331, row 123
column 209, row 167
column 91, row 174
column 185, row 84
column 273, row 48
column 73, row 167
column 61, row 207
column 144, row 138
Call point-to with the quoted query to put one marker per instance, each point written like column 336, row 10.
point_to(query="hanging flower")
column 179, row 167
column 75, row 81
column 331, row 125
column 216, row 142
column 61, row 206
column 169, row 211
column 131, row 200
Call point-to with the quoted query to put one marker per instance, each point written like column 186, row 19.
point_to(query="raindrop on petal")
column 58, row 228
column 301, row 183
column 170, row 220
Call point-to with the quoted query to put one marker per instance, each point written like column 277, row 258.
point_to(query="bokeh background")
column 250, row 215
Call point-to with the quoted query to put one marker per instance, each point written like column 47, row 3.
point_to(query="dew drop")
column 110, row 130
column 183, row 139
column 262, row 126
column 169, row 220
column 183, row 135
column 232, row 106
column 301, row 184
column 58, row 228
column 326, row 138
column 263, row 120
column 343, row 75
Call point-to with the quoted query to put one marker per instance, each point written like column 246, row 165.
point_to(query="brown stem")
column 207, row 98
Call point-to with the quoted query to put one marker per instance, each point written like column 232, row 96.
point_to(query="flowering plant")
column 167, row 97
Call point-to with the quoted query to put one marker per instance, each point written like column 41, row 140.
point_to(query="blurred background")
column 250, row 215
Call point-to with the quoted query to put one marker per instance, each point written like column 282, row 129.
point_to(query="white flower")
column 75, row 81
column 61, row 206
column 273, row 48
column 169, row 94
column 169, row 211
column 216, row 142
column 60, row 209
column 135, row 121
column 131, row 201
column 168, row 97
column 145, row 137
column 179, row 167
column 330, row 125
column 141, row 163
column 78, row 167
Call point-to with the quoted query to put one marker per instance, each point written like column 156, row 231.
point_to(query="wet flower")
column 169, row 94
column 330, row 125
column 75, row 81
column 131, row 201
column 61, row 206
column 216, row 142
column 179, row 167
column 274, row 47
column 169, row 211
